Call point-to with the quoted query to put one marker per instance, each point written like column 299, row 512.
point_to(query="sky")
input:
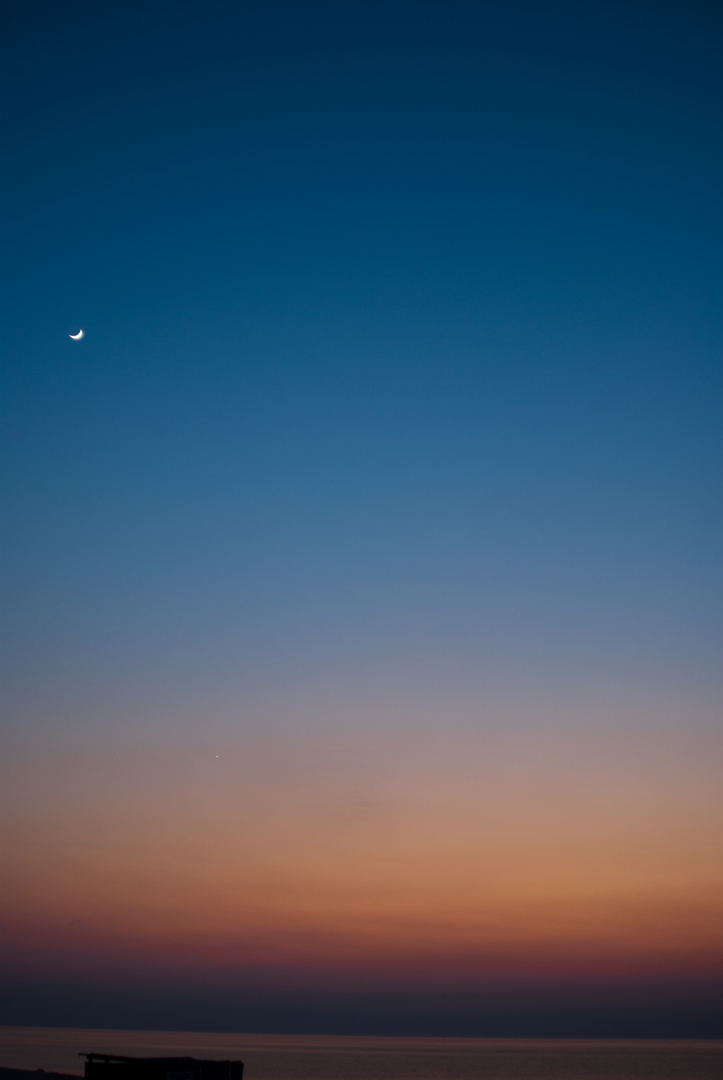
column 362, row 562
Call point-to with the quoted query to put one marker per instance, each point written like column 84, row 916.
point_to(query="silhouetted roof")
column 124, row 1067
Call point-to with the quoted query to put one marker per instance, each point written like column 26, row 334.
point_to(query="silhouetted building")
column 116, row 1067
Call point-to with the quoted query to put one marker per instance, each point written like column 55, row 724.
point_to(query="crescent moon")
column 76, row 337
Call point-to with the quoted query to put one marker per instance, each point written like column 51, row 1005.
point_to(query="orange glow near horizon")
column 493, row 858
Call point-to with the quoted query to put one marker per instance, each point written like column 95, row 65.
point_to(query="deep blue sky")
column 400, row 319
column 401, row 381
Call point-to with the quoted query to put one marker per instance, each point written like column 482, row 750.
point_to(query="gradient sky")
column 362, row 564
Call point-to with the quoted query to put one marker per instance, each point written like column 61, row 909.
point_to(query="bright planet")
column 76, row 337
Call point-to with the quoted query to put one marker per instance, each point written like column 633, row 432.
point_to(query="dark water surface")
column 307, row 1057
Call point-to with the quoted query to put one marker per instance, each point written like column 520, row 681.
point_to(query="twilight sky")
column 362, row 564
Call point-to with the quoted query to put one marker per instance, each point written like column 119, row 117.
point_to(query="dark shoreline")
column 36, row 1074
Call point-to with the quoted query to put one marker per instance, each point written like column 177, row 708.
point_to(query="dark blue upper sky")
column 402, row 354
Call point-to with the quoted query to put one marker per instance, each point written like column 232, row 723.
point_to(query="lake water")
column 305, row 1057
